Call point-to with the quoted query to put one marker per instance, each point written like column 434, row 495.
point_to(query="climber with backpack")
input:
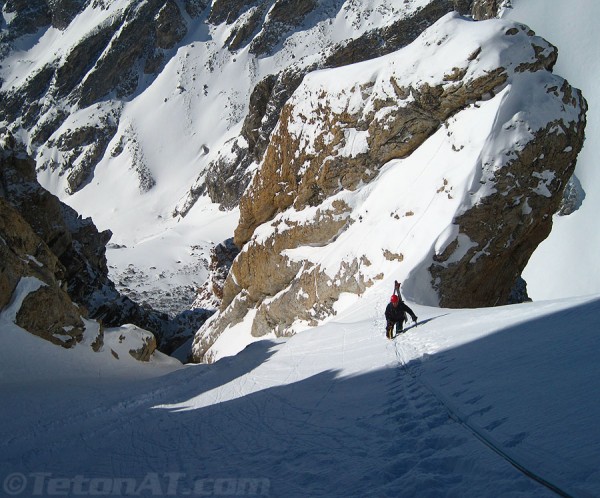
column 395, row 313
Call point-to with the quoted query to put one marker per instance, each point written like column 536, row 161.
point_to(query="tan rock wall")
column 47, row 312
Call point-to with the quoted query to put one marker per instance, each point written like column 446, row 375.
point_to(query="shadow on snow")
column 395, row 431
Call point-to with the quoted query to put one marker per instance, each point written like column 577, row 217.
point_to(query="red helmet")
column 394, row 299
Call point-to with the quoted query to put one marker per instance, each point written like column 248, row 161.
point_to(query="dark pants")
column 389, row 329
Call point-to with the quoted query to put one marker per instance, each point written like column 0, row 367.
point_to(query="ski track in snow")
column 483, row 434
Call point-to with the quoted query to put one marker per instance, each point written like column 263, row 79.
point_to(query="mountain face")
column 342, row 126
column 315, row 119
column 26, row 260
column 34, row 282
column 90, row 58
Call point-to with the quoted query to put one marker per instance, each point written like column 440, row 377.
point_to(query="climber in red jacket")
column 395, row 313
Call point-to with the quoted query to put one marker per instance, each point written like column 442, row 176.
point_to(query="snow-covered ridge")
column 397, row 168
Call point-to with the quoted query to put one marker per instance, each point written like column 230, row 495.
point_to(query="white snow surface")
column 448, row 408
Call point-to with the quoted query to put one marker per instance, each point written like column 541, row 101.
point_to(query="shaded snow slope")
column 30, row 360
column 336, row 411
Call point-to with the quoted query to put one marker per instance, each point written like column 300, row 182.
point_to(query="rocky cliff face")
column 210, row 294
column 488, row 9
column 339, row 130
column 541, row 167
column 46, row 311
column 45, row 239
column 74, row 241
column 68, row 94
column 129, row 46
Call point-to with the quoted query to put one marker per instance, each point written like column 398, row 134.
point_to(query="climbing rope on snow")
column 455, row 415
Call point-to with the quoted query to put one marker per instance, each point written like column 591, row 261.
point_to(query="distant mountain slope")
column 89, row 90
column 139, row 113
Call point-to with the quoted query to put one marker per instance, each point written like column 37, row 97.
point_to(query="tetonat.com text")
column 152, row 484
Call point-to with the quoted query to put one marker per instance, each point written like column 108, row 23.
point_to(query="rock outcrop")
column 488, row 9
column 134, row 341
column 260, row 24
column 528, row 190
column 210, row 294
column 338, row 131
column 32, row 274
column 74, row 241
column 48, row 240
column 27, row 17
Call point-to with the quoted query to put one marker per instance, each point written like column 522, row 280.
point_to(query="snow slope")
column 446, row 409
column 166, row 267
column 29, row 359
column 559, row 267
